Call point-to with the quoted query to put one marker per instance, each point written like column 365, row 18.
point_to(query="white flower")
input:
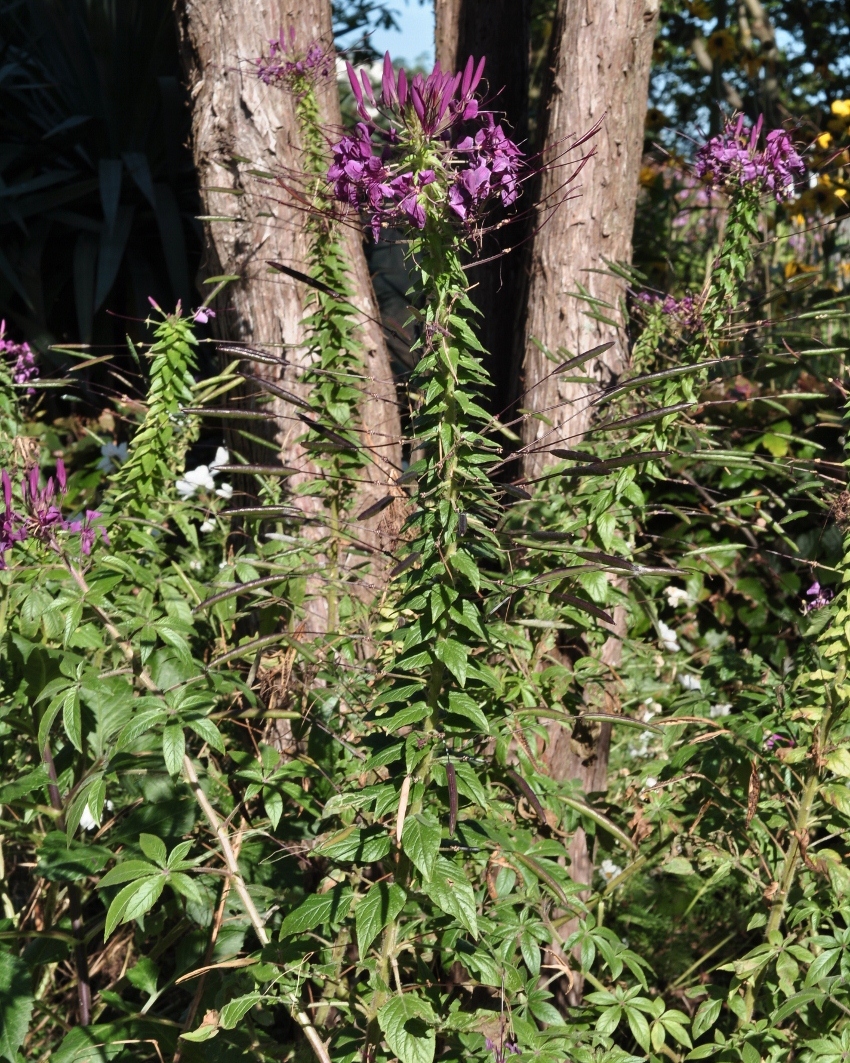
column 193, row 479
column 207, row 526
column 87, row 820
column 651, row 708
column 225, row 491
column 222, row 457
column 676, row 596
column 608, row 870
column 649, row 782
column 688, row 681
column 196, row 565
column 719, row 710
column 668, row 638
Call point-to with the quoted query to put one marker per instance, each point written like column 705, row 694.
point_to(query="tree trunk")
column 251, row 221
column 499, row 30
column 601, row 52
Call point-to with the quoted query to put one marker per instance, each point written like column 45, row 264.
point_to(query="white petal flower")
column 222, row 457
column 608, row 870
column 87, row 820
column 649, row 782
column 688, row 681
column 225, row 491
column 668, row 638
column 676, row 596
column 193, row 479
column 721, row 709
column 207, row 526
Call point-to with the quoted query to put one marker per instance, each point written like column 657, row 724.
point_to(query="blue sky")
column 416, row 37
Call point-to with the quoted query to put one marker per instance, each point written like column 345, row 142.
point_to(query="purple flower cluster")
column 24, row 369
column 428, row 143
column 285, row 64
column 686, row 310
column 820, row 596
column 43, row 518
column 734, row 157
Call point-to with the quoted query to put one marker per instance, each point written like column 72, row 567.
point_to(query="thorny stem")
column 81, row 960
column 232, row 864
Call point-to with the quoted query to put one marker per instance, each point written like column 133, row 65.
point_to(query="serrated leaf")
column 16, row 1004
column 379, row 907
column 133, row 901
column 420, row 840
column 127, row 871
column 454, row 657
column 153, row 848
column 173, row 748
column 450, row 890
column 330, row 907
column 207, row 730
column 72, row 718
column 706, row 1016
column 406, row 1024
column 233, row 1012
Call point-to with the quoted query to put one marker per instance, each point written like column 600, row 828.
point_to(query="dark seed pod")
column 517, row 492
column 530, row 795
column 376, row 508
column 273, row 389
column 250, row 354
column 328, row 433
column 403, row 566
column 462, row 524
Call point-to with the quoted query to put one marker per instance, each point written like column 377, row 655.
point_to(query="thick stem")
column 232, row 864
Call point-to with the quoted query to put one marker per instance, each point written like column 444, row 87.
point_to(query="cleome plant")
column 227, row 836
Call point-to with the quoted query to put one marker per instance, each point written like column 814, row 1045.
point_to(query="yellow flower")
column 841, row 108
column 824, row 197
column 752, row 64
column 824, row 140
column 721, row 45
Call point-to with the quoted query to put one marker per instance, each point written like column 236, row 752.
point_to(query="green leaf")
column 209, row 732
column 16, row 1003
column 330, row 907
column 463, row 563
column 236, row 1010
column 639, row 1027
column 463, row 705
column 450, row 890
column 72, row 718
column 706, row 1016
column 173, row 748
column 406, row 1024
column 127, row 871
column 363, row 846
column 153, row 848
column 379, row 907
column 133, row 901
column 420, row 840
column 454, row 657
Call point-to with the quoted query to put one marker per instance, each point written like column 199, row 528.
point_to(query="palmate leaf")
column 134, row 900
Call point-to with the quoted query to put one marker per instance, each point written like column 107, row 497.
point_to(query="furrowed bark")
column 599, row 72
column 244, row 131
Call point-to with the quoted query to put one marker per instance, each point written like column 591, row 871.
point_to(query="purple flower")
column 820, row 596
column 469, row 172
column 777, row 740
column 685, row 310
column 11, row 523
column 286, row 64
column 24, row 369
column 202, row 315
column 734, row 157
column 43, row 518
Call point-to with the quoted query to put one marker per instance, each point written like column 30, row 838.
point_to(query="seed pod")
column 376, row 508
column 411, row 559
column 462, row 524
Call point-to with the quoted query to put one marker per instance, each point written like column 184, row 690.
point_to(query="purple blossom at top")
column 24, row 369
column 202, row 315
column 286, row 64
column 42, row 519
column 429, row 143
column 686, row 310
column 734, row 157
column 820, row 596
